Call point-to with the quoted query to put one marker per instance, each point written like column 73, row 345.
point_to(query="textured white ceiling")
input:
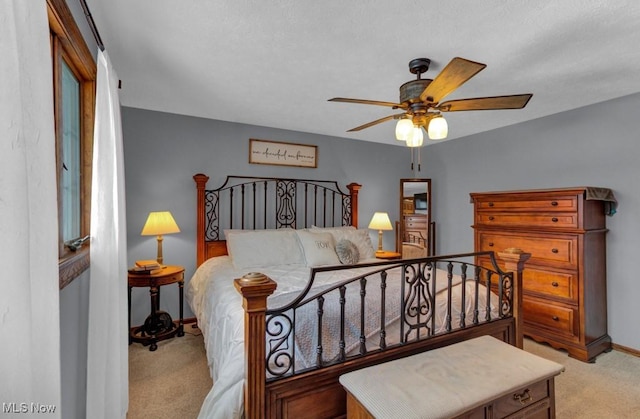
column 275, row 63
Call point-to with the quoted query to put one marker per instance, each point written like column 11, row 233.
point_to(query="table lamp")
column 159, row 223
column 380, row 221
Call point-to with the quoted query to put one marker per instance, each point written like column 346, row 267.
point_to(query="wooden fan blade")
column 454, row 75
column 368, row 102
column 377, row 121
column 486, row 103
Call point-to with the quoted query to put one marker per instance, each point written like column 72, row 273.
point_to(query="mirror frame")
column 429, row 234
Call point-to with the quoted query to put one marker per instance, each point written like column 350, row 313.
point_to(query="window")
column 74, row 74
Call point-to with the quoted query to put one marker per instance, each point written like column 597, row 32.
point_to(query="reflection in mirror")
column 415, row 229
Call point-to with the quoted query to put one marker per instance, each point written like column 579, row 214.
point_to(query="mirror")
column 415, row 230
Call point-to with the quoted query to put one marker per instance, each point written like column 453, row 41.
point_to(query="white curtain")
column 29, row 297
column 107, row 363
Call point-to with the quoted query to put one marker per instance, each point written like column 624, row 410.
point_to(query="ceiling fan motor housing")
column 411, row 90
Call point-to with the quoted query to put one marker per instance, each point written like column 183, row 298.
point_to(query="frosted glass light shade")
column 438, row 128
column 416, row 139
column 404, row 129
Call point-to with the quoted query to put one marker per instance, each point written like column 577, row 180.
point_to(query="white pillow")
column 359, row 237
column 319, row 248
column 260, row 248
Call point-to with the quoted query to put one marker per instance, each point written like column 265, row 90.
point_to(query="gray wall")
column 163, row 152
column 74, row 318
column 594, row 146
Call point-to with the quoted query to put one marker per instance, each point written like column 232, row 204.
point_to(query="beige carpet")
column 173, row 381
column 608, row 388
column 170, row 382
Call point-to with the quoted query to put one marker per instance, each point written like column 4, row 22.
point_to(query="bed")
column 289, row 296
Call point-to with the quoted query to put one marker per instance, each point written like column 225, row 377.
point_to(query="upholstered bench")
column 478, row 378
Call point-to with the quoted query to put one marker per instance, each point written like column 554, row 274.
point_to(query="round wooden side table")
column 158, row 325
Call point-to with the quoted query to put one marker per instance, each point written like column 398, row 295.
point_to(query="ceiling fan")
column 421, row 100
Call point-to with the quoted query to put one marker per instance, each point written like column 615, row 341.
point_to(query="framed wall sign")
column 282, row 154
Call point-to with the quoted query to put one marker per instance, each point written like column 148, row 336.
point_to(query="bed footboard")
column 315, row 391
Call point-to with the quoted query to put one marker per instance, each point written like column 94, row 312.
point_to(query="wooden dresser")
column 564, row 285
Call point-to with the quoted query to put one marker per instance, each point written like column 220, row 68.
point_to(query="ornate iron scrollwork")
column 285, row 204
column 212, row 220
column 279, row 329
column 418, row 300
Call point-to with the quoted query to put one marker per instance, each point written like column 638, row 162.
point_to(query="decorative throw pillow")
column 347, row 252
column 359, row 237
column 319, row 248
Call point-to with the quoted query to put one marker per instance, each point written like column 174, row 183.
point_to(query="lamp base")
column 160, row 259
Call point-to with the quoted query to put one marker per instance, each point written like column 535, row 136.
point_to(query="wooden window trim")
column 67, row 42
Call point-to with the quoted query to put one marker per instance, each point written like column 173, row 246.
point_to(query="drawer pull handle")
column 554, row 219
column 490, row 244
column 554, row 250
column 523, row 398
column 490, row 204
column 555, row 318
column 554, row 284
column 491, row 218
column 554, row 203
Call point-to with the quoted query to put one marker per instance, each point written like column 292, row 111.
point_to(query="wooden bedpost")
column 201, row 184
column 353, row 191
column 514, row 260
column 255, row 288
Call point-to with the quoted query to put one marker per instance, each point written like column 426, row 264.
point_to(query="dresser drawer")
column 550, row 283
column 561, row 250
column 415, row 226
column 415, row 222
column 528, row 219
column 541, row 203
column 557, row 318
column 543, row 282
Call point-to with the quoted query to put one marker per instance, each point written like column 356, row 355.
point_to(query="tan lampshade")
column 380, row 221
column 158, row 223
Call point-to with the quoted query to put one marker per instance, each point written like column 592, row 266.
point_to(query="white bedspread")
column 218, row 308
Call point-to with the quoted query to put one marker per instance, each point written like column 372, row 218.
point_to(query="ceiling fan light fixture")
column 404, row 129
column 416, row 138
column 438, row 128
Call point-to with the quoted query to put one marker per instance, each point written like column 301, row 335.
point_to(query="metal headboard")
column 246, row 202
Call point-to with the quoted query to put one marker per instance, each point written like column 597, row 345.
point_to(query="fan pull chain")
column 412, row 158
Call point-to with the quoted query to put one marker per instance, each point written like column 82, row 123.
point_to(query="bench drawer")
column 521, row 399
